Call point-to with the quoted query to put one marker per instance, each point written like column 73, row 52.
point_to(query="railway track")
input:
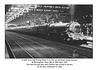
column 34, row 48
column 29, row 41
column 13, row 45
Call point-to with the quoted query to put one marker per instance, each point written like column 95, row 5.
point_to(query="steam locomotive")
column 69, row 32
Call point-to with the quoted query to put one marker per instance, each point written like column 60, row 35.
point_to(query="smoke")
column 72, row 10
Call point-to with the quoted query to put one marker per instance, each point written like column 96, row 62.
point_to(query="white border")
column 81, row 64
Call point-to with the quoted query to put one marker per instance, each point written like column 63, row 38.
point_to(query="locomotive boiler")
column 66, row 31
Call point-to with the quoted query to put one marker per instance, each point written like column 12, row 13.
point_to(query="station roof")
column 15, row 11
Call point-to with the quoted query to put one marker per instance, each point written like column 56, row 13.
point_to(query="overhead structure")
column 38, row 13
column 17, row 10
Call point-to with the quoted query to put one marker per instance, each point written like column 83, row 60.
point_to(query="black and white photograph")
column 48, row 31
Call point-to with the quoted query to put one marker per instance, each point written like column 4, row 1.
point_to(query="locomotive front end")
column 74, row 31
